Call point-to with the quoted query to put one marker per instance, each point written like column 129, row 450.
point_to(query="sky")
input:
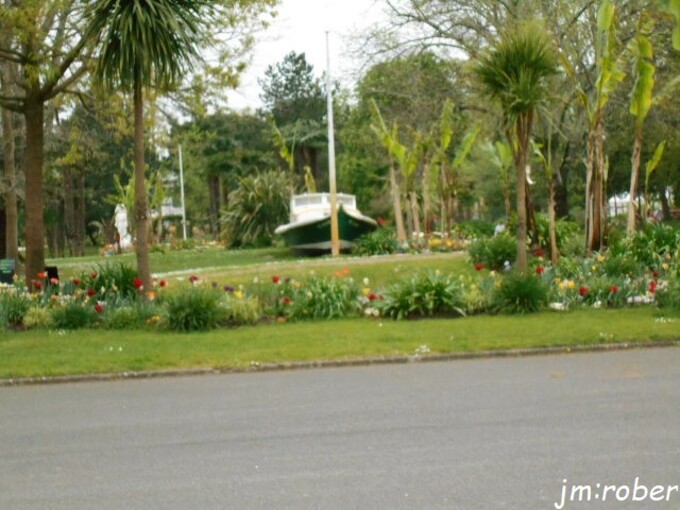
column 301, row 26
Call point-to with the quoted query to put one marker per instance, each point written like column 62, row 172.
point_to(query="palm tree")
column 515, row 73
column 143, row 44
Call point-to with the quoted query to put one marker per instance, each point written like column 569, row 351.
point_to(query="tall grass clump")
column 195, row 308
column 424, row 295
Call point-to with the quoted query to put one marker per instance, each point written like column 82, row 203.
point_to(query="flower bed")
column 112, row 297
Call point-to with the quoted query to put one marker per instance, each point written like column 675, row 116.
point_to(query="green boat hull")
column 316, row 236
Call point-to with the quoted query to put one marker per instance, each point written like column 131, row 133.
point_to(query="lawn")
column 241, row 267
column 56, row 353
column 41, row 353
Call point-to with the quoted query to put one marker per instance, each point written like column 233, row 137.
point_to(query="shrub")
column 649, row 245
column 478, row 295
column 193, row 309
column 242, row 311
column 474, row 229
column 14, row 304
column 117, row 281
column 379, row 242
column 322, row 298
column 256, row 207
column 564, row 229
column 669, row 295
column 620, row 265
column 493, row 252
column 423, row 295
column 73, row 315
column 521, row 293
column 128, row 317
column 38, row 318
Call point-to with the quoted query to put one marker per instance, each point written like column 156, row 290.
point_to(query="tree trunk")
column 665, row 206
column 396, row 201
column 79, row 213
column 427, row 205
column 415, row 213
column 11, row 231
column 560, row 184
column 552, row 224
column 523, row 133
column 215, row 191
column 141, row 208
column 634, row 181
column 595, row 188
column 69, row 216
column 33, row 169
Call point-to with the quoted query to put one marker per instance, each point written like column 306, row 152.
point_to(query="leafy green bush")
column 14, row 304
column 668, row 296
column 573, row 245
column 474, row 229
column 563, row 230
column 424, row 295
column 73, row 315
column 620, row 265
column 649, row 245
column 379, row 242
column 113, row 282
column 322, row 298
column 521, row 293
column 493, row 252
column 194, row 309
column 256, row 207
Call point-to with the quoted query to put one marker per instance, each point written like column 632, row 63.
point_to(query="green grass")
column 38, row 353
column 241, row 267
column 177, row 260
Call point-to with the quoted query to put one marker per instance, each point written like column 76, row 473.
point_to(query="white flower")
column 560, row 307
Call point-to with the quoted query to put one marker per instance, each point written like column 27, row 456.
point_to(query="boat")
column 309, row 229
column 312, row 227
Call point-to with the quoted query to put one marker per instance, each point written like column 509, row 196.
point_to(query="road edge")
column 320, row 364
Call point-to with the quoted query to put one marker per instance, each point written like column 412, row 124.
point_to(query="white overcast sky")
column 301, row 26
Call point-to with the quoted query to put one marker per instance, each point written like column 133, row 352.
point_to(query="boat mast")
column 335, row 235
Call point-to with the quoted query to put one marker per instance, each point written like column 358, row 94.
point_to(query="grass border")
column 342, row 363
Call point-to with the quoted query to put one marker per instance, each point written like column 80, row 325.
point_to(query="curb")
column 308, row 365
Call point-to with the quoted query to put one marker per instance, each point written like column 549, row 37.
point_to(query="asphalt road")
column 484, row 434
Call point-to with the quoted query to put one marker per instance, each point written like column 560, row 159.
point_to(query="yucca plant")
column 256, row 208
column 515, row 73
column 424, row 294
